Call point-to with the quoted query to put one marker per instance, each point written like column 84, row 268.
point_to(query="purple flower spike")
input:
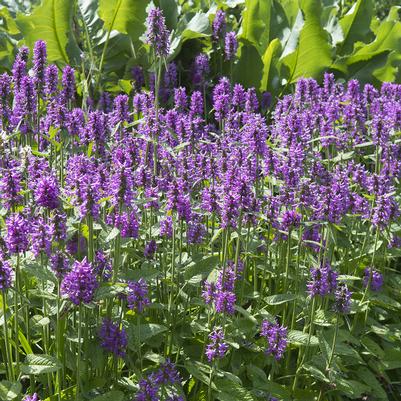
column 276, row 337
column 17, row 233
column 216, row 348
column 157, row 34
column 6, row 275
column 342, row 299
column 219, row 25
column 230, row 45
column 39, row 61
column 113, row 338
column 373, row 278
column 323, row 281
column 138, row 297
column 80, row 283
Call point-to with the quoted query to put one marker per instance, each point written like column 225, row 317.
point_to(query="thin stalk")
column 9, row 362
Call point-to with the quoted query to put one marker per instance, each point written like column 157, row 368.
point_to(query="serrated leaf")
column 146, row 331
column 38, row 364
column 299, row 338
column 230, row 390
column 279, row 299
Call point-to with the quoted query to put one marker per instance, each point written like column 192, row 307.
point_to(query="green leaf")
column 351, row 388
column 313, row 53
column 9, row 390
column 230, row 390
column 38, row 364
column 299, row 338
column 248, row 70
column 124, row 16
column 110, row 396
column 256, row 23
column 197, row 27
column 356, row 24
column 279, row 299
column 200, row 371
column 51, row 21
column 108, row 291
column 269, row 57
column 146, row 331
column 113, row 234
column 200, row 269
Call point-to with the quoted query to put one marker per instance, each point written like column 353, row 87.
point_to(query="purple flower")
column 373, row 279
column 167, row 374
column 166, row 227
column 200, row 70
column 266, row 100
column 16, row 237
column 138, row 297
column 51, row 80
column 6, row 275
column 80, row 283
column 102, row 266
column 222, row 98
column 219, row 25
column 157, row 34
column 10, row 185
column 113, row 338
column 150, row 249
column 47, row 192
column 148, row 390
column 138, row 77
column 230, row 45
column 68, row 84
column 342, row 296
column 33, row 397
column 221, row 293
column 59, row 264
column 39, row 61
column 290, row 219
column 127, row 222
column 41, row 235
column 276, row 337
column 216, row 348
column 180, row 98
column 323, row 281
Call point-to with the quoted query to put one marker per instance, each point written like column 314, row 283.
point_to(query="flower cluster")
column 276, row 337
column 113, row 338
column 216, row 348
column 80, row 283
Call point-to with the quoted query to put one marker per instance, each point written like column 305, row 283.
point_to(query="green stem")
column 9, row 362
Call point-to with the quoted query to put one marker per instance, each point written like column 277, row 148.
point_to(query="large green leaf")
column 248, row 70
column 313, row 54
column 256, row 23
column 189, row 27
column 52, row 22
column 379, row 60
column 356, row 24
column 269, row 59
column 124, row 16
column 38, row 364
column 9, row 390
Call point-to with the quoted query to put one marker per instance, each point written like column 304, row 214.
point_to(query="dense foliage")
column 279, row 40
column 168, row 233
